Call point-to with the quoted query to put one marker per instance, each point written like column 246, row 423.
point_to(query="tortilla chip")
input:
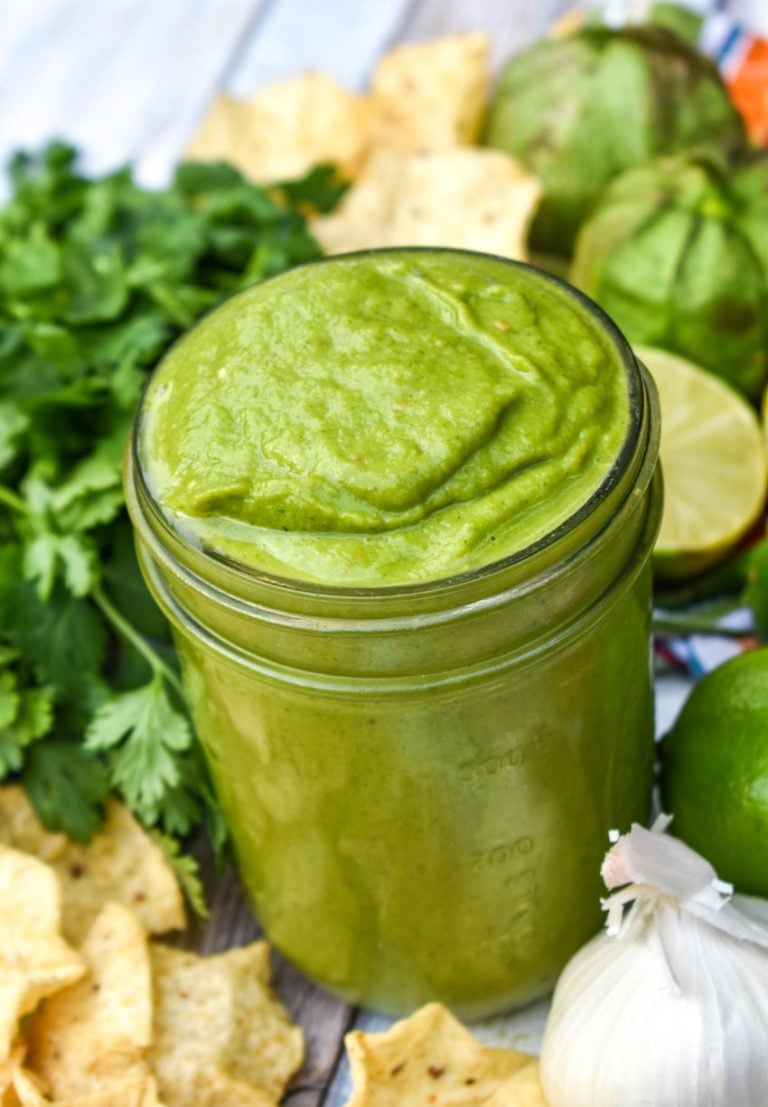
column 95, row 1033
column 221, row 1039
column 431, row 95
column 427, row 1058
column 121, row 864
column 27, row 1089
column 34, row 960
column 126, row 1093
column 470, row 199
column 286, row 129
column 21, row 829
column 521, row 1090
column 9, row 1070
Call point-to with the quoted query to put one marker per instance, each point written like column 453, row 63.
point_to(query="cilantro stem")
column 166, row 298
column 131, row 635
column 11, row 500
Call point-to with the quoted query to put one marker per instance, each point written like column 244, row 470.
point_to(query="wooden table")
column 129, row 80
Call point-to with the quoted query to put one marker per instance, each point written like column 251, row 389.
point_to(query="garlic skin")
column 669, row 1006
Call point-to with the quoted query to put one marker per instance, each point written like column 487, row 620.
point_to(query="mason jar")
column 419, row 780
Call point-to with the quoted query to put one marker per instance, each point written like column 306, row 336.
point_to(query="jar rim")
column 434, row 586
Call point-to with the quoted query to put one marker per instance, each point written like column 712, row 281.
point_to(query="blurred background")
column 130, row 79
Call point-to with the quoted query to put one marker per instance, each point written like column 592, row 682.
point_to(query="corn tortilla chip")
column 126, row 1093
column 9, row 1069
column 521, row 1090
column 34, row 960
column 431, row 95
column 121, row 864
column 95, row 1033
column 21, row 829
column 427, row 1058
column 286, row 129
column 27, row 1089
column 466, row 198
column 220, row 1037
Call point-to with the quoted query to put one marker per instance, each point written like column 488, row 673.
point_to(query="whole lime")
column 715, row 771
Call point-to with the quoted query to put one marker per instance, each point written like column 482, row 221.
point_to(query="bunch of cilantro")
column 97, row 277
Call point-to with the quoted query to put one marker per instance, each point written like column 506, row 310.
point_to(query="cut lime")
column 713, row 459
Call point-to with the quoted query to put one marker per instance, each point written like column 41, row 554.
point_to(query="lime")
column 715, row 771
column 714, row 463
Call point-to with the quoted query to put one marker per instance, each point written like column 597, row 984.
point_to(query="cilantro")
column 186, row 872
column 755, row 593
column 68, row 787
column 143, row 732
column 97, row 278
column 26, row 714
column 320, row 190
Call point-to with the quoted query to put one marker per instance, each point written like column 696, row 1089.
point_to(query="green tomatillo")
column 579, row 110
column 677, row 254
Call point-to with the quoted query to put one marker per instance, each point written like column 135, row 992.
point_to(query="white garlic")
column 669, row 1006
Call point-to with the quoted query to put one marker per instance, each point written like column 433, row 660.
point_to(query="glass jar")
column 420, row 780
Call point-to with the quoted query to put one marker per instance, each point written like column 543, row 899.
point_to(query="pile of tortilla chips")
column 430, row 1058
column 407, row 146
column 93, row 1013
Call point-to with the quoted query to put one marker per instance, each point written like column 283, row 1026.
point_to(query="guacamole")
column 385, row 418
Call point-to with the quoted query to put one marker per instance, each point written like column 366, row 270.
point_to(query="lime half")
column 713, row 459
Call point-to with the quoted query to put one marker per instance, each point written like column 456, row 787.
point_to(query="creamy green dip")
column 419, row 784
column 390, row 417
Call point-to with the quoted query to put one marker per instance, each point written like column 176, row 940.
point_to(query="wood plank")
column 512, row 26
column 124, row 80
column 325, row 1021
column 342, row 39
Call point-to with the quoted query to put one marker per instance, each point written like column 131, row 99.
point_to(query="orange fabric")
column 748, row 85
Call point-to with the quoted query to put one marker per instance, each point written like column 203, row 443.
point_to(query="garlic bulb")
column 669, row 1006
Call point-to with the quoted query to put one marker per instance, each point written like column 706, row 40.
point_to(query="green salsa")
column 389, row 418
column 419, row 778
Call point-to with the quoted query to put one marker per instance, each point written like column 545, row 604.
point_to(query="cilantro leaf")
column 186, row 870
column 13, row 424
column 40, row 563
column 31, row 262
column 77, row 554
column 63, row 637
column 9, row 699
column 95, row 281
column 320, row 190
column 91, row 495
column 32, row 719
column 143, row 733
column 121, row 573
column 68, row 787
